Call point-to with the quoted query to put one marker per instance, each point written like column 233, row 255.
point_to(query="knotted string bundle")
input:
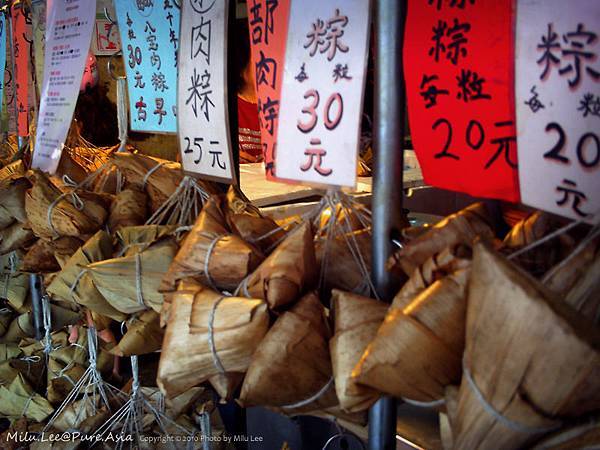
column 95, row 393
column 183, row 206
column 130, row 419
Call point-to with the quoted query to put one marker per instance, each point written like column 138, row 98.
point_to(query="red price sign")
column 459, row 71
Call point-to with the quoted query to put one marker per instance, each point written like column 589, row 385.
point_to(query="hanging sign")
column 458, row 61
column 68, row 36
column 202, row 93
column 321, row 96
column 149, row 32
column 558, row 106
column 38, row 19
column 21, row 65
column 2, row 56
column 268, row 24
column 9, row 116
column 105, row 40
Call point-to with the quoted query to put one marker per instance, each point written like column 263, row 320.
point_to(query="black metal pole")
column 388, row 134
column 37, row 314
column 232, row 98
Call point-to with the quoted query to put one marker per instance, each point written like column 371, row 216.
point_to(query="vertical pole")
column 232, row 76
column 388, row 133
column 37, row 314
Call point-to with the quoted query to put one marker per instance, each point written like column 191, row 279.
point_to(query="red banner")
column 459, row 71
column 21, row 58
column 268, row 22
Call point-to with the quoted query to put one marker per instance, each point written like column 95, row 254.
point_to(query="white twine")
column 243, row 287
column 90, row 385
column 121, row 114
column 27, row 403
column 12, row 267
column 341, row 434
column 75, row 199
column 131, row 415
column 183, row 205
column 508, row 423
column 593, row 234
column 205, row 429
column 312, row 399
column 549, row 237
column 47, row 318
column 135, row 386
column 209, row 251
column 29, row 360
column 150, row 172
column 211, row 337
column 432, row 404
column 138, row 280
column 76, row 282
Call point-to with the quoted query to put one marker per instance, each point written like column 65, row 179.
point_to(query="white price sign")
column 558, row 106
column 203, row 120
column 321, row 98
column 68, row 35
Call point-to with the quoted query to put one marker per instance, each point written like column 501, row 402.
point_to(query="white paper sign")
column 321, row 97
column 68, row 35
column 203, row 121
column 558, row 106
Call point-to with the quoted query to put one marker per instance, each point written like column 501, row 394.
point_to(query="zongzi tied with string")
column 211, row 254
column 18, row 399
column 12, row 199
column 540, row 259
column 345, row 261
column 576, row 279
column 130, row 283
column 44, row 256
column 291, row 368
column 245, row 220
column 14, row 285
column 75, row 283
column 459, row 228
column 14, row 237
column 357, row 320
column 513, row 403
column 418, row 348
column 209, row 337
column 287, row 273
column 128, row 209
column 52, row 213
column 144, row 335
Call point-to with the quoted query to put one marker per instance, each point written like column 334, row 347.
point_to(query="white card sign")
column 558, row 106
column 203, row 121
column 68, row 35
column 321, row 96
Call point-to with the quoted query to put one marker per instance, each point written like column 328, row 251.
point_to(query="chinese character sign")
column 105, row 41
column 458, row 61
column 21, row 62
column 268, row 24
column 202, row 90
column 2, row 55
column 321, row 97
column 68, row 36
column 558, row 106
column 149, row 32
column 38, row 20
column 9, row 119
